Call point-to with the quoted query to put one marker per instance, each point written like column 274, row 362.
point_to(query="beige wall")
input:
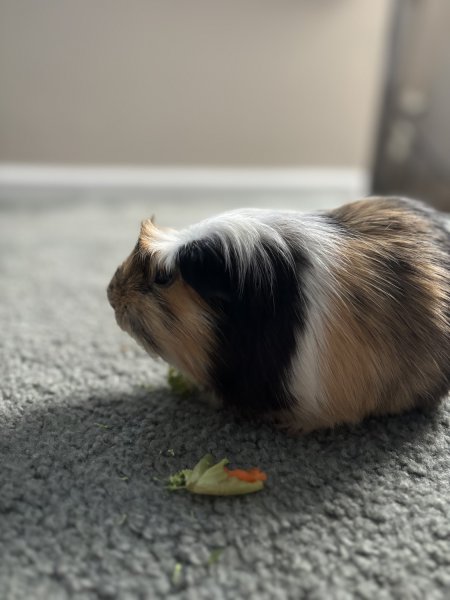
column 189, row 82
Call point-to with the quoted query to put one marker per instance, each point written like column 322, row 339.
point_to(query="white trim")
column 353, row 181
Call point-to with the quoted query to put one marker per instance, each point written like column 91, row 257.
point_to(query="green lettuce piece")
column 178, row 481
column 211, row 479
column 179, row 383
column 215, row 555
column 200, row 468
column 176, row 574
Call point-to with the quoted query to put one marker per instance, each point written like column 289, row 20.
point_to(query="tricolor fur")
column 323, row 318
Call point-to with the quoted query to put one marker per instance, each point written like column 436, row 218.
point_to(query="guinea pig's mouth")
column 120, row 309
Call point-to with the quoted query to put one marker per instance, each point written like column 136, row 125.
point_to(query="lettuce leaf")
column 212, row 479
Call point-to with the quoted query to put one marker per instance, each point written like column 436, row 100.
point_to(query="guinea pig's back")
column 387, row 327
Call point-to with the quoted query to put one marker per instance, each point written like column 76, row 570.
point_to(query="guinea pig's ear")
column 147, row 234
column 203, row 266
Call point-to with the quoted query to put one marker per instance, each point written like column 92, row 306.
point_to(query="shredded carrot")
column 251, row 475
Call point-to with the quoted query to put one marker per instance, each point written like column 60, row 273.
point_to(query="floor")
column 89, row 432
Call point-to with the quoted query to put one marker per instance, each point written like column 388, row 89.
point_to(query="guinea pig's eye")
column 163, row 278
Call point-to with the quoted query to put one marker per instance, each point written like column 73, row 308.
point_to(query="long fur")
column 325, row 318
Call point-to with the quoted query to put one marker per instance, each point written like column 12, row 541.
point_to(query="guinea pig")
column 319, row 319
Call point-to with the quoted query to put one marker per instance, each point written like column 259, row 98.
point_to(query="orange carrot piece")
column 251, row 475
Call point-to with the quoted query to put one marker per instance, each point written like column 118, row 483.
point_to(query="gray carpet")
column 89, row 431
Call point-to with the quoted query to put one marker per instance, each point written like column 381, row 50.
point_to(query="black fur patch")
column 202, row 265
column 257, row 320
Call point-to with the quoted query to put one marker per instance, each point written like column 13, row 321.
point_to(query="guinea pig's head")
column 154, row 303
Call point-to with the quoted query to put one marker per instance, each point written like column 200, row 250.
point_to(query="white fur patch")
column 239, row 231
column 320, row 243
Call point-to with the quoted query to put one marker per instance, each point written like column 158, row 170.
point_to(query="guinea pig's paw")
column 209, row 398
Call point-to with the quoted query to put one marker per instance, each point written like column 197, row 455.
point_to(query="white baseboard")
column 351, row 181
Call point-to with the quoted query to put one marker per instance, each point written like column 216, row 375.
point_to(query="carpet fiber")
column 89, row 431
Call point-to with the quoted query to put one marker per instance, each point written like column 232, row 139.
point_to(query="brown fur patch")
column 387, row 338
column 147, row 235
column 189, row 340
